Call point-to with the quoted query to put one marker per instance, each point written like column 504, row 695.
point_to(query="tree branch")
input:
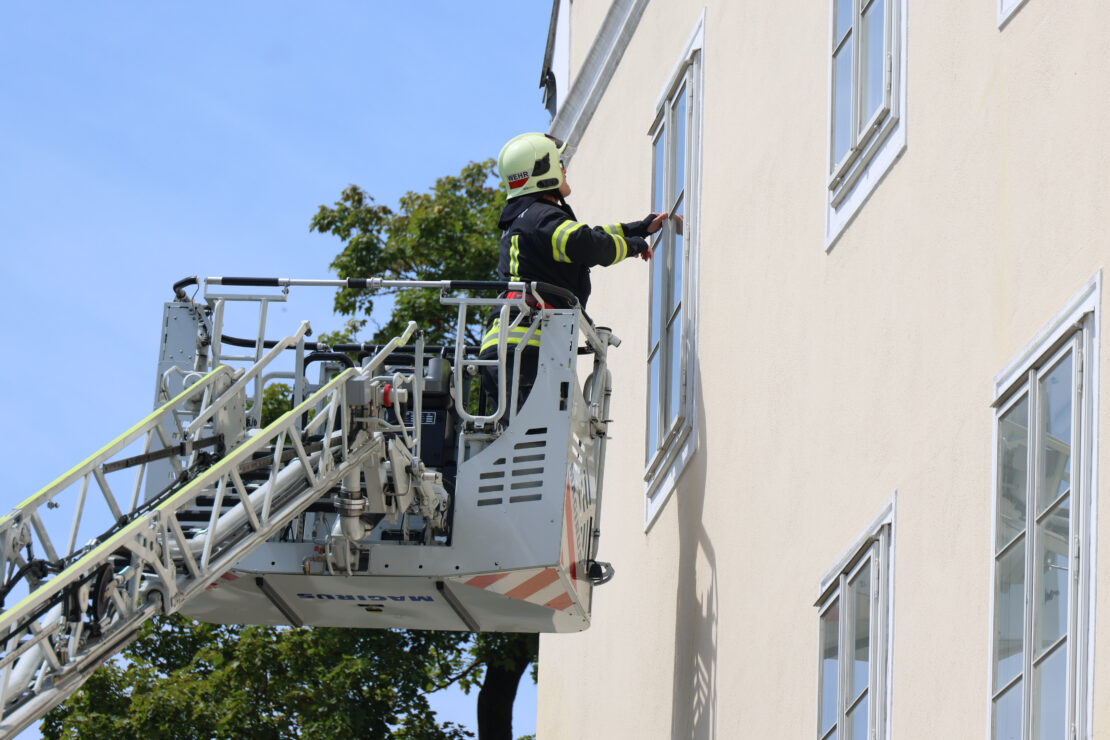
column 474, row 666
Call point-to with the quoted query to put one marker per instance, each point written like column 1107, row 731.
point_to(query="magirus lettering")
column 364, row 597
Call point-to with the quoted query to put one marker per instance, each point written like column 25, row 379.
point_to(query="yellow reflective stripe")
column 622, row 248
column 617, row 233
column 559, row 240
column 514, row 257
column 515, row 335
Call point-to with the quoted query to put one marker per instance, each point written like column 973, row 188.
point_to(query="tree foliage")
column 448, row 233
column 183, row 679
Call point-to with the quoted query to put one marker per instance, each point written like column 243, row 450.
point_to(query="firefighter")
column 541, row 240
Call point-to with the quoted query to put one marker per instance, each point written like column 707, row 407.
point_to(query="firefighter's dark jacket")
column 543, row 241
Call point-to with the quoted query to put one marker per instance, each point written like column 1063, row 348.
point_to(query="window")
column 866, row 104
column 675, row 166
column 665, row 405
column 1042, row 530
column 855, row 639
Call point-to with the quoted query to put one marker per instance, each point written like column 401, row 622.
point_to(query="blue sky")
column 144, row 142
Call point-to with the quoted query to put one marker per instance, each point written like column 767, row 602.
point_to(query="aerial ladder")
column 392, row 494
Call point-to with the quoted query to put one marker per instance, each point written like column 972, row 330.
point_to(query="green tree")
column 183, row 679
column 449, row 233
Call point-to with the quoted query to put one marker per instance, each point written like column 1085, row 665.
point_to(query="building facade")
column 852, row 486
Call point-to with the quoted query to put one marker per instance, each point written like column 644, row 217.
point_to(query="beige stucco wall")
column 830, row 381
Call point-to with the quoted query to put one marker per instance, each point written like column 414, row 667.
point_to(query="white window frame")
column 665, row 462
column 1076, row 329
column 879, row 142
column 875, row 546
column 1007, row 9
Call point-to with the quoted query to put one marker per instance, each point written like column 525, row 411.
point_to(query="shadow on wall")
column 694, row 700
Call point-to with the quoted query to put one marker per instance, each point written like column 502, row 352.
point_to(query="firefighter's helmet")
column 531, row 163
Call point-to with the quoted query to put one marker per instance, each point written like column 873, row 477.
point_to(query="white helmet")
column 531, row 163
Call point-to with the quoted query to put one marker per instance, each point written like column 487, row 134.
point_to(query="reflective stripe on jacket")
column 489, row 340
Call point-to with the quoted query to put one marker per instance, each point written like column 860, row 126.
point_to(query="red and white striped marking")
column 543, row 586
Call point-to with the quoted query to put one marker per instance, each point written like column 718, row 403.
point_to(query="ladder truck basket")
column 391, row 494
column 512, row 544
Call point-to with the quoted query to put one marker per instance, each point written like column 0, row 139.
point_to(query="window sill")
column 842, row 205
column 659, row 489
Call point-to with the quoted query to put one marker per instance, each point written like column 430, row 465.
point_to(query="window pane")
column 1055, row 427
column 1051, row 615
column 857, row 722
column 830, row 669
column 659, row 297
column 843, row 18
column 678, row 262
column 1050, row 696
column 842, row 101
column 657, row 154
column 653, row 405
column 679, row 122
column 1007, row 714
column 1013, row 460
column 859, row 636
column 1009, row 614
column 674, row 374
column 872, row 35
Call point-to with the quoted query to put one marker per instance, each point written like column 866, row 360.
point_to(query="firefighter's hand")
column 646, row 254
column 656, row 223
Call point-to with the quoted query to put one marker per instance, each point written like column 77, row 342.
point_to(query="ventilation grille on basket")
column 521, row 477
